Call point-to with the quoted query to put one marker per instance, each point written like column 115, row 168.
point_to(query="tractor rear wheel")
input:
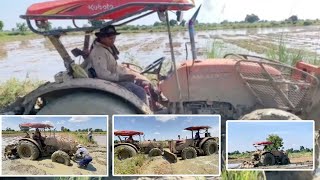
column 61, row 157
column 155, row 152
column 28, row 150
column 124, row 151
column 210, row 147
column 188, row 153
column 268, row 159
column 285, row 160
column 270, row 114
column 87, row 103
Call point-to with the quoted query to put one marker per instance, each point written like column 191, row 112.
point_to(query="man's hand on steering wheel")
column 153, row 65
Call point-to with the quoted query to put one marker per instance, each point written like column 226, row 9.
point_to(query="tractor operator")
column 37, row 136
column 103, row 57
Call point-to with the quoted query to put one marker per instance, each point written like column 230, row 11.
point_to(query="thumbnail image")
column 166, row 145
column 54, row 145
column 272, row 145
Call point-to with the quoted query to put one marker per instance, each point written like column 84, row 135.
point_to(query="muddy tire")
column 268, row 159
column 285, row 160
column 61, row 157
column 124, row 151
column 270, row 114
column 155, row 152
column 28, row 150
column 87, row 103
column 188, row 153
column 210, row 147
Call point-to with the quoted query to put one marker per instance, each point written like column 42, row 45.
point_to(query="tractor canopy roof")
column 101, row 9
column 262, row 143
column 196, row 128
column 127, row 133
column 35, row 125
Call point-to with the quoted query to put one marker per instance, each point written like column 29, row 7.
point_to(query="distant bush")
column 307, row 23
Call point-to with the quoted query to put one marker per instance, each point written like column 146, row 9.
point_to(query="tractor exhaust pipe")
column 191, row 23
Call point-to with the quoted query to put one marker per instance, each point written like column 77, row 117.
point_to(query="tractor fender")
column 32, row 141
column 52, row 89
column 127, row 144
column 205, row 140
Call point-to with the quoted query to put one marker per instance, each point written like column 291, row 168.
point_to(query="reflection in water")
column 3, row 53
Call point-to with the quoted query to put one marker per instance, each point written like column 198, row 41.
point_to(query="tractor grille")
column 277, row 85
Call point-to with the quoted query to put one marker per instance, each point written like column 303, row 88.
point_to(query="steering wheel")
column 128, row 65
column 153, row 65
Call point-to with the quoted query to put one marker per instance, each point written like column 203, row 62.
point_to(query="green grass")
column 243, row 175
column 216, row 50
column 129, row 166
column 10, row 36
column 300, row 154
column 240, row 156
column 13, row 88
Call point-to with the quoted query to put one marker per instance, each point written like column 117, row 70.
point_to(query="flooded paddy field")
column 37, row 58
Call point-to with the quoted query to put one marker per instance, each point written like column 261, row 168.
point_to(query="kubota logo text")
column 99, row 7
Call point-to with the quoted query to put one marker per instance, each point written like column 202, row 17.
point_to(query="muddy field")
column 296, row 163
column 31, row 58
column 44, row 166
column 201, row 165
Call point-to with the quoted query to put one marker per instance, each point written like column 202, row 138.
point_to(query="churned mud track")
column 199, row 165
column 44, row 166
column 296, row 163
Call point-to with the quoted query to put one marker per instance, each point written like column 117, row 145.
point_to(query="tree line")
column 22, row 28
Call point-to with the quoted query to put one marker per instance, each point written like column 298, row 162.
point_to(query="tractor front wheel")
column 61, row 157
column 285, row 160
column 188, row 153
column 210, row 147
column 124, row 152
column 270, row 114
column 155, row 152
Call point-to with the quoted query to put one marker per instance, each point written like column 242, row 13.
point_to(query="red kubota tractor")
column 33, row 147
column 236, row 86
column 232, row 86
column 197, row 145
column 267, row 157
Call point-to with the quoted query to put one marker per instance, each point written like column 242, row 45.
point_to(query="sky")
column 165, row 127
column 71, row 122
column 242, row 135
column 212, row 10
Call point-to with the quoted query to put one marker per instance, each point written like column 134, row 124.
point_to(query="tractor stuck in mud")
column 197, row 145
column 263, row 157
column 34, row 146
column 128, row 147
column 232, row 86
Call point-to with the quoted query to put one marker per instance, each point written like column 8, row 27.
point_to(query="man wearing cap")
column 83, row 153
column 103, row 57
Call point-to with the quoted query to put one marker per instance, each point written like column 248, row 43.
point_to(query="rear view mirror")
column 179, row 16
column 162, row 16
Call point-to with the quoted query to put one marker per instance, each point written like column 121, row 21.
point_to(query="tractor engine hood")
column 210, row 79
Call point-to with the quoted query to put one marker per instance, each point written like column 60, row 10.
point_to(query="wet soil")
column 44, row 165
column 296, row 163
column 201, row 165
